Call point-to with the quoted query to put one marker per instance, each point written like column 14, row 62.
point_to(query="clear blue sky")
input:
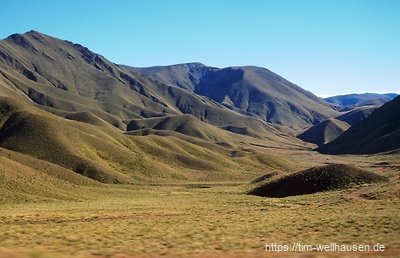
column 327, row 47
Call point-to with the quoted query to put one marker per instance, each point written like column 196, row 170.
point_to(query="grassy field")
column 215, row 219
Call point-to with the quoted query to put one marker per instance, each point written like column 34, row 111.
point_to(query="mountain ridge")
column 361, row 99
column 248, row 90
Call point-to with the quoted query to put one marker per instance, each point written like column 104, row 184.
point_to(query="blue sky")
column 328, row 46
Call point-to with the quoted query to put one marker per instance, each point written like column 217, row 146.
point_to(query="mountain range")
column 358, row 100
column 62, row 104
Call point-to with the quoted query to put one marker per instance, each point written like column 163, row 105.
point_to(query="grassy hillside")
column 185, row 124
column 93, row 148
column 27, row 179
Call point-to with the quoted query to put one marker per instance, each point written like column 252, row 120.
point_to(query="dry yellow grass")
column 186, row 220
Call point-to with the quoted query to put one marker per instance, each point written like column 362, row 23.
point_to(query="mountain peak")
column 32, row 32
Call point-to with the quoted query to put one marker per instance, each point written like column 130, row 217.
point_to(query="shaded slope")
column 317, row 179
column 379, row 132
column 249, row 90
column 186, row 76
column 324, row 132
column 357, row 114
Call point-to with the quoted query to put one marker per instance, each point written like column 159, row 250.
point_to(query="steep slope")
column 63, row 77
column 366, row 99
column 324, row 132
column 249, row 90
column 379, row 132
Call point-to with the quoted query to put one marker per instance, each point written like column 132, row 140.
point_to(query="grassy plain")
column 214, row 219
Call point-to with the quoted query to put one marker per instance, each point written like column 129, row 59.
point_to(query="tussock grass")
column 182, row 220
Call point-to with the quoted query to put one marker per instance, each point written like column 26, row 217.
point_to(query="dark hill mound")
column 317, row 179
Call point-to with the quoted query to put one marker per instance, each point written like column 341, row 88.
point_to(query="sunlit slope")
column 24, row 178
column 105, row 154
column 185, row 124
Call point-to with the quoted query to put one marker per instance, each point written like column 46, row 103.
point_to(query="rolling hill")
column 249, row 90
column 185, row 124
column 86, row 145
column 379, row 132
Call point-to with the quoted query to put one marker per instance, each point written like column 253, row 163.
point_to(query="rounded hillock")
column 86, row 117
column 317, row 179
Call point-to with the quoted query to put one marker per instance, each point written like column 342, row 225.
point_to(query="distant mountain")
column 379, row 132
column 355, row 115
column 249, row 90
column 185, row 76
column 324, row 132
column 366, row 99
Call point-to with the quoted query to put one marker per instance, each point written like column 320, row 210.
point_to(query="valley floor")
column 197, row 220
